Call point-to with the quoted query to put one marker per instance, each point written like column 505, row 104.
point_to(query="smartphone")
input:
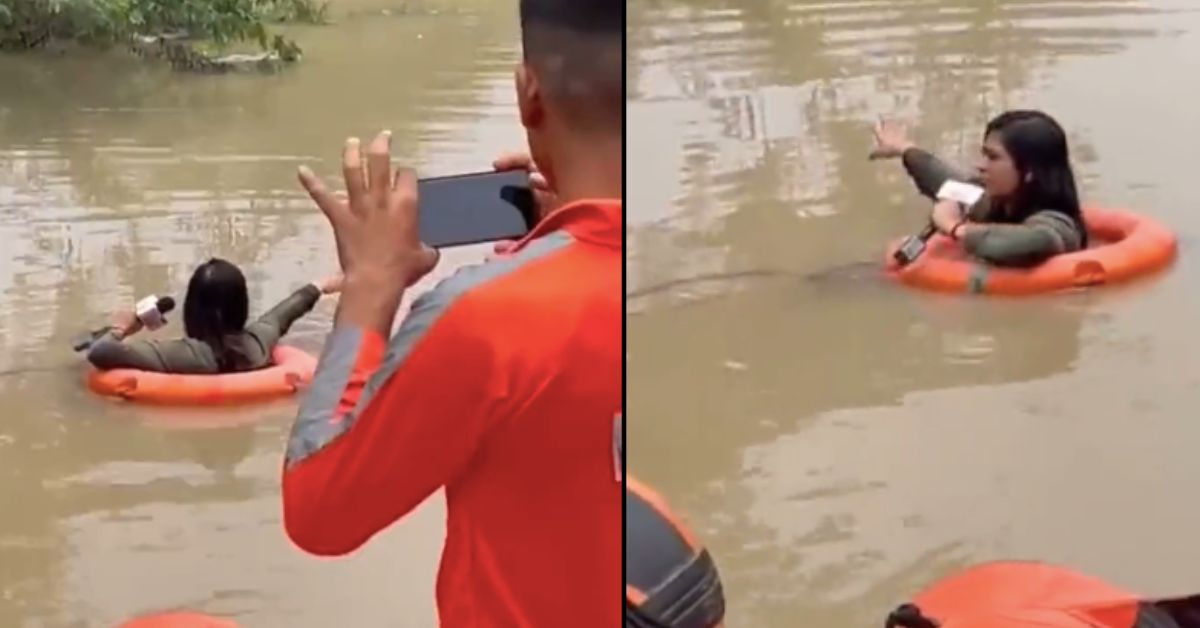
column 475, row 208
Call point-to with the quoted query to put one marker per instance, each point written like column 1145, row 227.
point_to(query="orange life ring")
column 1019, row 594
column 292, row 370
column 1133, row 246
column 1011, row 594
column 178, row 620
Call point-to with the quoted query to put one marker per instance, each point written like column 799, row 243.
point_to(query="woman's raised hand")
column 891, row 140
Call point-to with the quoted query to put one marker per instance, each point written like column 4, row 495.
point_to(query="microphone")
column 151, row 311
column 965, row 194
column 913, row 246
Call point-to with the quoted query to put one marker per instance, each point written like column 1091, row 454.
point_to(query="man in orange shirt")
column 503, row 384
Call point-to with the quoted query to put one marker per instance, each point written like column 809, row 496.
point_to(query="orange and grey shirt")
column 502, row 385
column 1025, row 594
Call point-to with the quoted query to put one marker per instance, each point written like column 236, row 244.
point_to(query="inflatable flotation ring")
column 671, row 581
column 1132, row 246
column 292, row 369
column 178, row 620
column 1037, row 595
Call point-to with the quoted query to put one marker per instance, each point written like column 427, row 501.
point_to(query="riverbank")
column 210, row 36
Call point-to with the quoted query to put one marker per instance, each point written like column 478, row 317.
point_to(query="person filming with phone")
column 1029, row 210
column 503, row 383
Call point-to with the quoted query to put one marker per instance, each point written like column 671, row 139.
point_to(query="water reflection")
column 783, row 353
column 739, row 405
column 754, row 119
column 116, row 179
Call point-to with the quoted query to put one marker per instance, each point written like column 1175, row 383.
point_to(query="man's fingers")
column 325, row 199
column 404, row 189
column 379, row 167
column 352, row 172
column 500, row 249
column 538, row 181
column 546, row 202
column 513, row 161
column 432, row 257
column 405, row 180
column 429, row 258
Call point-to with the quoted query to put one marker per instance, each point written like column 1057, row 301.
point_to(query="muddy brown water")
column 116, row 179
column 839, row 442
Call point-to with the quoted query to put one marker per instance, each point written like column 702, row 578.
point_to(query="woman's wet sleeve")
column 929, row 172
column 109, row 352
column 1042, row 236
column 274, row 324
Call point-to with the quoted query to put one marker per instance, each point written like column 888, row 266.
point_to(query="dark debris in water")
column 856, row 274
column 708, row 278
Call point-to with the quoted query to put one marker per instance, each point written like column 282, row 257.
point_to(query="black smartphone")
column 475, row 208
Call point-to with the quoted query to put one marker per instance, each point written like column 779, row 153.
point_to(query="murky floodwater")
column 840, row 442
column 116, row 179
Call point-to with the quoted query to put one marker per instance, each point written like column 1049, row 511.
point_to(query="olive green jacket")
column 247, row 351
column 1045, row 233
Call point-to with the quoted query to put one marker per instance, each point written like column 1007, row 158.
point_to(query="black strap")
column 634, row 618
column 1181, row 612
column 692, row 598
column 909, row 616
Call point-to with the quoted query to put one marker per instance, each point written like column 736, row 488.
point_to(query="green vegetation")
column 186, row 32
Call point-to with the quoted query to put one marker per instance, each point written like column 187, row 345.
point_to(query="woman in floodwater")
column 1030, row 210
column 218, row 340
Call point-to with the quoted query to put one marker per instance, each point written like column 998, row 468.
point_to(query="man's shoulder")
column 474, row 291
column 478, row 280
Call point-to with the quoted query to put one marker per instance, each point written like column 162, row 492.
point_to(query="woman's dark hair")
column 1038, row 147
column 216, row 306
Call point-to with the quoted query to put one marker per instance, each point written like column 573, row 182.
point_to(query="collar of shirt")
column 598, row 221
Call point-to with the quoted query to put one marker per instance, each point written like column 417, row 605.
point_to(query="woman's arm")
column 273, row 325
column 925, row 169
column 1011, row 245
column 162, row 356
column 1042, row 236
column 110, row 353
column 929, row 172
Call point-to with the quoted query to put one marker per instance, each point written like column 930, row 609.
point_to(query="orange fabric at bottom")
column 292, row 369
column 1128, row 246
column 178, row 620
column 1027, row 595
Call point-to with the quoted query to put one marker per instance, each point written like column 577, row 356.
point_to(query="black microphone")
column 913, row 246
column 967, row 195
column 150, row 311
